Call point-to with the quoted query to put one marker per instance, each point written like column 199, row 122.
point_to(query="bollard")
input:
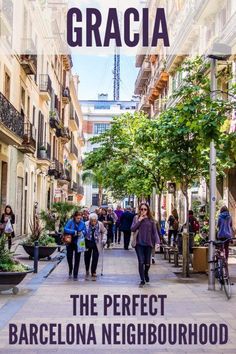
column 185, row 243
column 36, row 256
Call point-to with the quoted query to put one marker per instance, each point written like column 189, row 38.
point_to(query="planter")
column 44, row 251
column 43, row 154
column 200, row 259
column 10, row 280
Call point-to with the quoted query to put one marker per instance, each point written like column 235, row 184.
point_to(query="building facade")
column 159, row 77
column 97, row 117
column 40, row 119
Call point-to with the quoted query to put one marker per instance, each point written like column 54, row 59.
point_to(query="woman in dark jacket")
column 74, row 227
column 8, row 215
column 147, row 238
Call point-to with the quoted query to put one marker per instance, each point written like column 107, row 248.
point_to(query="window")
column 7, row 86
column 100, row 128
column 33, row 116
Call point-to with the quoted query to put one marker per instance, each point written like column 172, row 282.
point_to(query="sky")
column 96, row 76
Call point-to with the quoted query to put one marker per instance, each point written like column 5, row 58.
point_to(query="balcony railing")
column 45, row 84
column 10, row 117
column 143, row 75
column 54, row 119
column 44, row 151
column 74, row 119
column 56, row 169
column 29, row 139
column 74, row 150
column 28, row 59
column 65, row 95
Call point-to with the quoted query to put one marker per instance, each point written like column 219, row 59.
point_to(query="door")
column 19, row 206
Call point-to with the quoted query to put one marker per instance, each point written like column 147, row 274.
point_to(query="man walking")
column 118, row 213
column 126, row 221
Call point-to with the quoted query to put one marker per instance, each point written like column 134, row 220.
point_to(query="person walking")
column 173, row 222
column 193, row 223
column 76, row 228
column 225, row 228
column 110, row 222
column 146, row 239
column 96, row 238
column 8, row 217
column 119, row 213
column 125, row 225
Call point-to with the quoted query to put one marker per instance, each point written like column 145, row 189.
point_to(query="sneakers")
column 70, row 275
column 87, row 276
column 141, row 284
column 94, row 277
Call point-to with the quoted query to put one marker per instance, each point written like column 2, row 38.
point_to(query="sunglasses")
column 143, row 209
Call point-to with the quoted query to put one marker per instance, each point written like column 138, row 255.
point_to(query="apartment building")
column 97, row 117
column 40, row 116
column 194, row 26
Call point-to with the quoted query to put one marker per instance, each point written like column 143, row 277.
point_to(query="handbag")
column 8, row 228
column 134, row 239
column 81, row 244
column 66, row 239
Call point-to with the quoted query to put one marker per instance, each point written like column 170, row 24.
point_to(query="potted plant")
column 47, row 245
column 43, row 152
column 12, row 272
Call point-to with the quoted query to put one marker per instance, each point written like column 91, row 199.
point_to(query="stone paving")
column 188, row 301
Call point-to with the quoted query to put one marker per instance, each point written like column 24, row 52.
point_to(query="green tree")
column 94, row 176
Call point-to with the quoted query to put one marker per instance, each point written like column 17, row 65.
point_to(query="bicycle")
column 221, row 266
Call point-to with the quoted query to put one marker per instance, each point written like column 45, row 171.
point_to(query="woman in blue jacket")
column 225, row 228
column 75, row 227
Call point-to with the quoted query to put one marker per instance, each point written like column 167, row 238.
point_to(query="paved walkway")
column 188, row 301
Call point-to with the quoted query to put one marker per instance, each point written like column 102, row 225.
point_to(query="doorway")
column 19, row 205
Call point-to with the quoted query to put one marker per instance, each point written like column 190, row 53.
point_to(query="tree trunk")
column 159, row 208
column 185, row 239
column 100, row 190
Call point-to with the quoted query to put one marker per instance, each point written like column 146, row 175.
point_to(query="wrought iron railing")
column 10, row 117
column 74, row 149
column 45, row 83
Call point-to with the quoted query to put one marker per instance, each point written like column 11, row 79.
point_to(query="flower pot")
column 9, row 280
column 44, row 251
column 43, row 154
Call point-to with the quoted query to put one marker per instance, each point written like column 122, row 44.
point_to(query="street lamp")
column 219, row 51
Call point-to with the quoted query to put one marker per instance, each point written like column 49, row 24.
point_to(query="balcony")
column 28, row 60
column 65, row 95
column 143, row 76
column 29, row 139
column 45, row 87
column 80, row 190
column 81, row 138
column 44, row 154
column 54, row 121
column 64, row 134
column 74, row 120
column 74, row 186
column 67, row 61
column 56, row 169
column 11, row 121
column 144, row 104
column 73, row 152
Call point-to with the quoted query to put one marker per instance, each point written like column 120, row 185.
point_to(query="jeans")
column 174, row 233
column 117, row 233
column 144, row 260
column 92, row 251
column 127, row 235
column 72, row 251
